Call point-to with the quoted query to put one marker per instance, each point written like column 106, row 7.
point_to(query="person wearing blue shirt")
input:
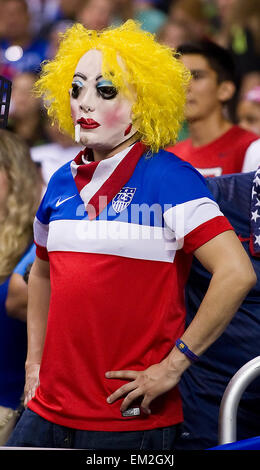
column 13, row 347
column 18, row 46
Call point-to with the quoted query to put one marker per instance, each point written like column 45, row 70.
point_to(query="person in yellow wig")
column 115, row 234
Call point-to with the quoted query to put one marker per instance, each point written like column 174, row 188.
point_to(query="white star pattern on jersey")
column 255, row 212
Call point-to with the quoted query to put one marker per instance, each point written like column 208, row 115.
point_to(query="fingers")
column 145, row 405
column 122, row 374
column 121, row 391
column 148, row 384
column 133, row 390
column 130, row 398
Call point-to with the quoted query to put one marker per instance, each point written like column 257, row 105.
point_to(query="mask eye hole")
column 106, row 90
column 76, row 88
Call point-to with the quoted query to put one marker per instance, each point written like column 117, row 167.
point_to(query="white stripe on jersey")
column 128, row 239
column 185, row 217
column 40, row 232
column 113, row 238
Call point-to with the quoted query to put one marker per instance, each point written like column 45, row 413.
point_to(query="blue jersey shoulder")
column 176, row 180
column 164, row 162
column 60, row 186
column 60, row 176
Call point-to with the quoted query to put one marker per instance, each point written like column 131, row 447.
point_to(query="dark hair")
column 219, row 58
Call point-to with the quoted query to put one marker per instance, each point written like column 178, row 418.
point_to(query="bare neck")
column 204, row 131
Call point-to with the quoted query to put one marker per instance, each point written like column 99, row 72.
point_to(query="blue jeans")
column 34, row 431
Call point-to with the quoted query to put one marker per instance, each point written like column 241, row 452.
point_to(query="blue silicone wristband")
column 185, row 350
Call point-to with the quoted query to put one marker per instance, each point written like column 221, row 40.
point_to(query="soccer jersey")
column 117, row 281
column 224, row 155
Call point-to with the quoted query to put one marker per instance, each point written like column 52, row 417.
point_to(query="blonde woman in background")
column 19, row 196
column 18, row 200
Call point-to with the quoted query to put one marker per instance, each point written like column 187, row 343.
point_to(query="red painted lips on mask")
column 88, row 123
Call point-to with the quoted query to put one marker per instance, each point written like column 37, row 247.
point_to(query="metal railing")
column 231, row 398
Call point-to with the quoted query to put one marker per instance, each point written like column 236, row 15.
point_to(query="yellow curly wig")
column 151, row 69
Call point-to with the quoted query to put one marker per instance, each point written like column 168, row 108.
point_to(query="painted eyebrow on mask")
column 81, row 75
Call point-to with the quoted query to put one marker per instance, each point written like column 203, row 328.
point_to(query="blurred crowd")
column 29, row 34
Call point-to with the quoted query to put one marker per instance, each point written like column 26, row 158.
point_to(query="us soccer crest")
column 122, row 199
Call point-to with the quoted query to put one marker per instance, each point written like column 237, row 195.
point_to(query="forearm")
column 38, row 307
column 223, row 298
column 17, row 298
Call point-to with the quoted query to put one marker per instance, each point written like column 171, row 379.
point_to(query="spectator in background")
column 191, row 15
column 69, row 8
column 46, row 13
column 223, row 17
column 96, row 14
column 59, row 150
column 25, row 116
column 250, row 80
column 7, row 70
column 248, row 114
column 19, row 197
column 216, row 146
column 18, row 46
column 99, row 14
column 173, row 34
column 123, row 10
column 203, row 385
column 240, row 32
column 150, row 17
column 17, row 294
column 187, row 22
column 248, row 111
column 43, row 13
column 19, row 180
column 54, row 36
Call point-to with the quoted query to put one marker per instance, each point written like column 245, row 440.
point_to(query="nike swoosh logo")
column 59, row 202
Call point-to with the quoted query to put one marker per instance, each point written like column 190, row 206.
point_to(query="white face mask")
column 101, row 115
